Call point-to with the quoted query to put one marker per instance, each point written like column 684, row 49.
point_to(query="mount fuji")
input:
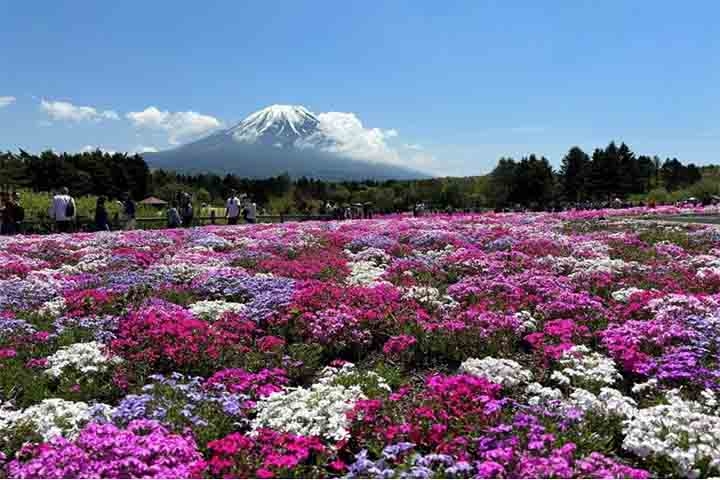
column 275, row 140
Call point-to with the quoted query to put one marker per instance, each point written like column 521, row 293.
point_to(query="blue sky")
column 459, row 83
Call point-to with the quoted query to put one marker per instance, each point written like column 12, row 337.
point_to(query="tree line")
column 609, row 173
column 531, row 182
column 87, row 173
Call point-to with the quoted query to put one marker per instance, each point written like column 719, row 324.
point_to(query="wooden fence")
column 46, row 225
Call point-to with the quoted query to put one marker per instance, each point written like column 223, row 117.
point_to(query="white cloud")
column 144, row 149
column 92, row 148
column 132, row 151
column 178, row 125
column 391, row 133
column 349, row 137
column 5, row 101
column 58, row 110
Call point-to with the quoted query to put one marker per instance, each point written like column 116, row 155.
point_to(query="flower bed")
column 579, row 344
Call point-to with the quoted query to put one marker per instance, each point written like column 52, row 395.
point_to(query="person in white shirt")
column 250, row 211
column 63, row 210
column 232, row 208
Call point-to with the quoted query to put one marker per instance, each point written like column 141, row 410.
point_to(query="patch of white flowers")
column 539, row 395
column 319, row 410
column 528, row 323
column 608, row 403
column 213, row 309
column 85, row 358
column 92, row 262
column 207, row 240
column 53, row 417
column 377, row 255
column 623, row 295
column 684, row 432
column 430, row 296
column 53, row 308
column 608, row 265
column 180, row 272
column 705, row 273
column 503, row 371
column 579, row 366
column 365, row 273
column 648, row 386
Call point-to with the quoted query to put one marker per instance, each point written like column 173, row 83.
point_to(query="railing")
column 46, row 225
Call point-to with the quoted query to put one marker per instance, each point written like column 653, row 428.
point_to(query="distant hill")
column 271, row 141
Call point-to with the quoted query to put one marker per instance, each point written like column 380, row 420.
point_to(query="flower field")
column 582, row 344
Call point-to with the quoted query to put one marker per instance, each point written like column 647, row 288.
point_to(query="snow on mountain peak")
column 276, row 124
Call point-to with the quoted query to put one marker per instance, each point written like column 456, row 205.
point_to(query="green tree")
column 573, row 174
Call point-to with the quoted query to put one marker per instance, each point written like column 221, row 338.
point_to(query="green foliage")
column 613, row 171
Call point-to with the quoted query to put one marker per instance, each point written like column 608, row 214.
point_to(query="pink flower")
column 270, row 343
column 41, row 337
column 7, row 353
column 398, row 344
column 36, row 363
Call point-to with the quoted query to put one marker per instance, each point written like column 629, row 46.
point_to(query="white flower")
column 609, row 402
column 680, row 432
column 376, row 255
column 650, row 384
column 623, row 295
column 503, row 371
column 85, row 358
column 178, row 271
column 365, row 273
column 430, row 296
column 581, row 367
column 528, row 323
column 588, row 266
column 320, row 410
column 53, row 308
column 53, row 417
column 213, row 309
column 539, row 395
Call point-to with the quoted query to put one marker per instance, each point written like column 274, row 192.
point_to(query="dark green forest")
column 614, row 171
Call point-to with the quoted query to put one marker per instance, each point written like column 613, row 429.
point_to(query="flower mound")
column 143, row 450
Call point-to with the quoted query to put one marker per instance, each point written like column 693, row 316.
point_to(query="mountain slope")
column 271, row 141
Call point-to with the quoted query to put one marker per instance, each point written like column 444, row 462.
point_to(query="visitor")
column 250, row 211
column 186, row 209
column 102, row 221
column 63, row 211
column 12, row 215
column 232, row 208
column 129, row 220
column 173, row 216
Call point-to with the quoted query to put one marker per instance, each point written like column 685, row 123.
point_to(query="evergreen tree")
column 573, row 175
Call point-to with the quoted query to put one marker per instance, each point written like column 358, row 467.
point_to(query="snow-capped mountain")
column 277, row 139
column 276, row 125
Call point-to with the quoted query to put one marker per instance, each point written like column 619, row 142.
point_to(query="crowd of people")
column 62, row 211
column 63, row 215
column 348, row 212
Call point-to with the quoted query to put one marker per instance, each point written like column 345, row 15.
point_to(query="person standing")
column 129, row 212
column 63, row 210
column 173, row 216
column 102, row 221
column 250, row 211
column 12, row 215
column 232, row 208
column 186, row 210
